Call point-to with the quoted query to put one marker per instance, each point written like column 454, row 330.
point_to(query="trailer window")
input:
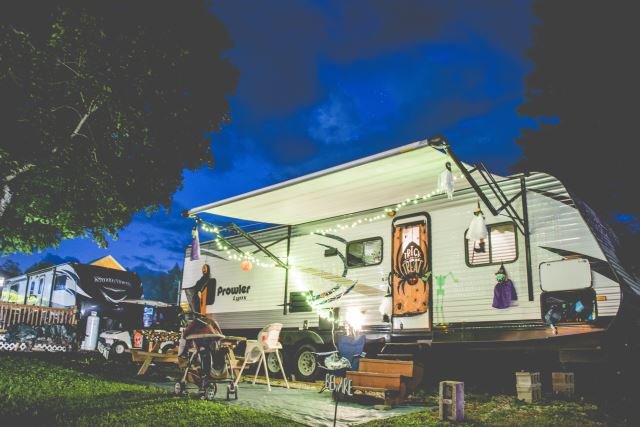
column 363, row 253
column 61, row 283
column 501, row 246
column 299, row 302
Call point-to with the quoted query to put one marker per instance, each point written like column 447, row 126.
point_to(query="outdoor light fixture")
column 354, row 318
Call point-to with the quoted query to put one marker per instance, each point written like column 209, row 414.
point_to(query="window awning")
column 372, row 182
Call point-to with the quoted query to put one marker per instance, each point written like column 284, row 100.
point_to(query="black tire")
column 210, row 392
column 273, row 366
column 118, row 348
column 232, row 391
column 305, row 364
column 178, row 388
column 167, row 348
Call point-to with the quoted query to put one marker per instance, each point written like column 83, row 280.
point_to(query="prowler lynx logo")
column 239, row 292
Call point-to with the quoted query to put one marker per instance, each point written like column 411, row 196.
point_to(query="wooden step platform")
column 393, row 378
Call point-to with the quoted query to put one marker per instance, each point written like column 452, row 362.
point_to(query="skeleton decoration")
column 438, row 306
column 445, row 181
column 478, row 230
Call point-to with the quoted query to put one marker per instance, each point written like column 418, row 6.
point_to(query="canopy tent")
column 372, row 182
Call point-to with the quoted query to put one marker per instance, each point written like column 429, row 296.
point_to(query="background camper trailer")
column 387, row 245
column 68, row 294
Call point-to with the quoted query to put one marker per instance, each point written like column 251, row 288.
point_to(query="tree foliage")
column 584, row 88
column 102, row 107
column 10, row 268
column 161, row 286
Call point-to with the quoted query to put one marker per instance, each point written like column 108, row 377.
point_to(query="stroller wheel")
column 210, row 391
column 178, row 388
column 232, row 390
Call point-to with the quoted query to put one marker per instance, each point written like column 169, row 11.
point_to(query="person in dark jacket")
column 193, row 292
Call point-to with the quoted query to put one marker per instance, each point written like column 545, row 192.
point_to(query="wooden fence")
column 35, row 315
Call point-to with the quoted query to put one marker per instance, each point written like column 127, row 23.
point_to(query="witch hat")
column 501, row 270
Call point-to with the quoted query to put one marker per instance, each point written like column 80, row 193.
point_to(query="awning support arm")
column 502, row 198
column 219, row 235
column 258, row 245
column 505, row 203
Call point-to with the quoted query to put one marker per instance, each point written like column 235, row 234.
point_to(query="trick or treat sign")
column 411, row 270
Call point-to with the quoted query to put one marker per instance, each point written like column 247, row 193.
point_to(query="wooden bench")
column 393, row 378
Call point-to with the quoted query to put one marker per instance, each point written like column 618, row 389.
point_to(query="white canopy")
column 373, row 182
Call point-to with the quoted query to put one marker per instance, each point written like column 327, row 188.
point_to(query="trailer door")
column 411, row 267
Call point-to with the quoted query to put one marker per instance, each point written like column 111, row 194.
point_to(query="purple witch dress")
column 503, row 294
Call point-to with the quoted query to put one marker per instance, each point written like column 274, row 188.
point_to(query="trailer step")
column 400, row 356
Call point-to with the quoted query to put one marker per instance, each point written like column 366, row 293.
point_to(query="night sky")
column 324, row 83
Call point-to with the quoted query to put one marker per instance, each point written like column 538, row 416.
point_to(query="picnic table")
column 154, row 353
column 149, row 357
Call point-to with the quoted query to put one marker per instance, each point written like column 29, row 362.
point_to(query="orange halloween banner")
column 411, row 270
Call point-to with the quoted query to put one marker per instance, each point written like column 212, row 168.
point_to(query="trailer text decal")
column 239, row 292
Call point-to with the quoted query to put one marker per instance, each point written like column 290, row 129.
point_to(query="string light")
column 234, row 254
column 223, row 245
column 388, row 212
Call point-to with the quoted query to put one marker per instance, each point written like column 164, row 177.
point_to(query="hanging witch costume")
column 504, row 292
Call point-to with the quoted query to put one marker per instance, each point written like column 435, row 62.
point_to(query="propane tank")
column 91, row 334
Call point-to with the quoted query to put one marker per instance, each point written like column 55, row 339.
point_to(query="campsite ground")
column 83, row 389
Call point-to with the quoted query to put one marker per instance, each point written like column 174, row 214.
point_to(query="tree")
column 102, row 107
column 10, row 268
column 584, row 89
column 161, row 286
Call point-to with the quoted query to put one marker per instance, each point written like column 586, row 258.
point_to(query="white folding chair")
column 257, row 350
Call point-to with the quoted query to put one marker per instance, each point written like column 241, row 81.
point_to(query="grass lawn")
column 34, row 391
column 85, row 389
column 501, row 410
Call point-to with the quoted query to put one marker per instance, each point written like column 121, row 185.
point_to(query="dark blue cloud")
column 326, row 82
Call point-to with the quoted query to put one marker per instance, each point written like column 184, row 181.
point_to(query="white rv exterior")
column 321, row 215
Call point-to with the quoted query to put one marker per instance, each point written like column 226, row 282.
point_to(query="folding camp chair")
column 346, row 357
column 257, row 351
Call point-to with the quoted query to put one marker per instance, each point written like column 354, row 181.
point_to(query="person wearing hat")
column 504, row 293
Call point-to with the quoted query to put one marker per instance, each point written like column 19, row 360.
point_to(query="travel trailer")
column 68, row 293
column 383, row 245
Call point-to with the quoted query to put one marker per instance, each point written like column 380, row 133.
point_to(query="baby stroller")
column 206, row 359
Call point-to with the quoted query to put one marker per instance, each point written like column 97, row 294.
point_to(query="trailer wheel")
column 273, row 365
column 305, row 363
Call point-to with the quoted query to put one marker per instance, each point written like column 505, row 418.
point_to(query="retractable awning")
column 372, row 182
